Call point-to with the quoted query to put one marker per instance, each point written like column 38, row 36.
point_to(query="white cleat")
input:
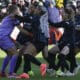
column 51, row 72
column 68, row 73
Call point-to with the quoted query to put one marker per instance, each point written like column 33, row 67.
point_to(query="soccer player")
column 39, row 42
column 6, row 43
column 67, row 42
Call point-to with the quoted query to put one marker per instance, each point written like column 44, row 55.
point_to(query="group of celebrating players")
column 40, row 24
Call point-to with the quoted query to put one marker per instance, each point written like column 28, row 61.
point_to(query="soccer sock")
column 12, row 64
column 34, row 60
column 72, row 64
column 51, row 60
column 71, row 58
column 5, row 63
column 18, row 63
column 64, row 66
column 27, row 64
column 62, row 62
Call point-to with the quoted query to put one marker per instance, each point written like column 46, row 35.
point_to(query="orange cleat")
column 43, row 69
column 24, row 76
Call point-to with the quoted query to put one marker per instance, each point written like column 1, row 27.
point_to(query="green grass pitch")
column 37, row 73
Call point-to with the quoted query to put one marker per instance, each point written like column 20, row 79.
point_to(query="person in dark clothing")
column 22, row 38
column 36, row 45
column 67, row 41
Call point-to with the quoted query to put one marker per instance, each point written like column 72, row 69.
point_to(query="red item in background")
column 57, row 34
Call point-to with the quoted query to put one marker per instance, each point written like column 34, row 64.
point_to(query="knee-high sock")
column 5, row 63
column 27, row 64
column 64, row 66
column 18, row 63
column 72, row 59
column 73, row 63
column 62, row 62
column 51, row 60
column 12, row 64
column 33, row 60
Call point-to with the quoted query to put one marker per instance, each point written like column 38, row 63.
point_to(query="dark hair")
column 72, row 7
column 42, row 9
column 46, row 4
column 35, row 4
column 12, row 8
column 78, row 4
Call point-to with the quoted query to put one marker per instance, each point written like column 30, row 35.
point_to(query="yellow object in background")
column 59, row 3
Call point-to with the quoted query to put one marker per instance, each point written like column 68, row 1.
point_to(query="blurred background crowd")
column 24, row 4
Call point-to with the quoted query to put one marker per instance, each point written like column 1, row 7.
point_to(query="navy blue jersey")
column 69, row 33
column 35, row 24
column 22, row 38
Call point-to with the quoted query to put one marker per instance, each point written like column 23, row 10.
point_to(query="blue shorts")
column 6, row 43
